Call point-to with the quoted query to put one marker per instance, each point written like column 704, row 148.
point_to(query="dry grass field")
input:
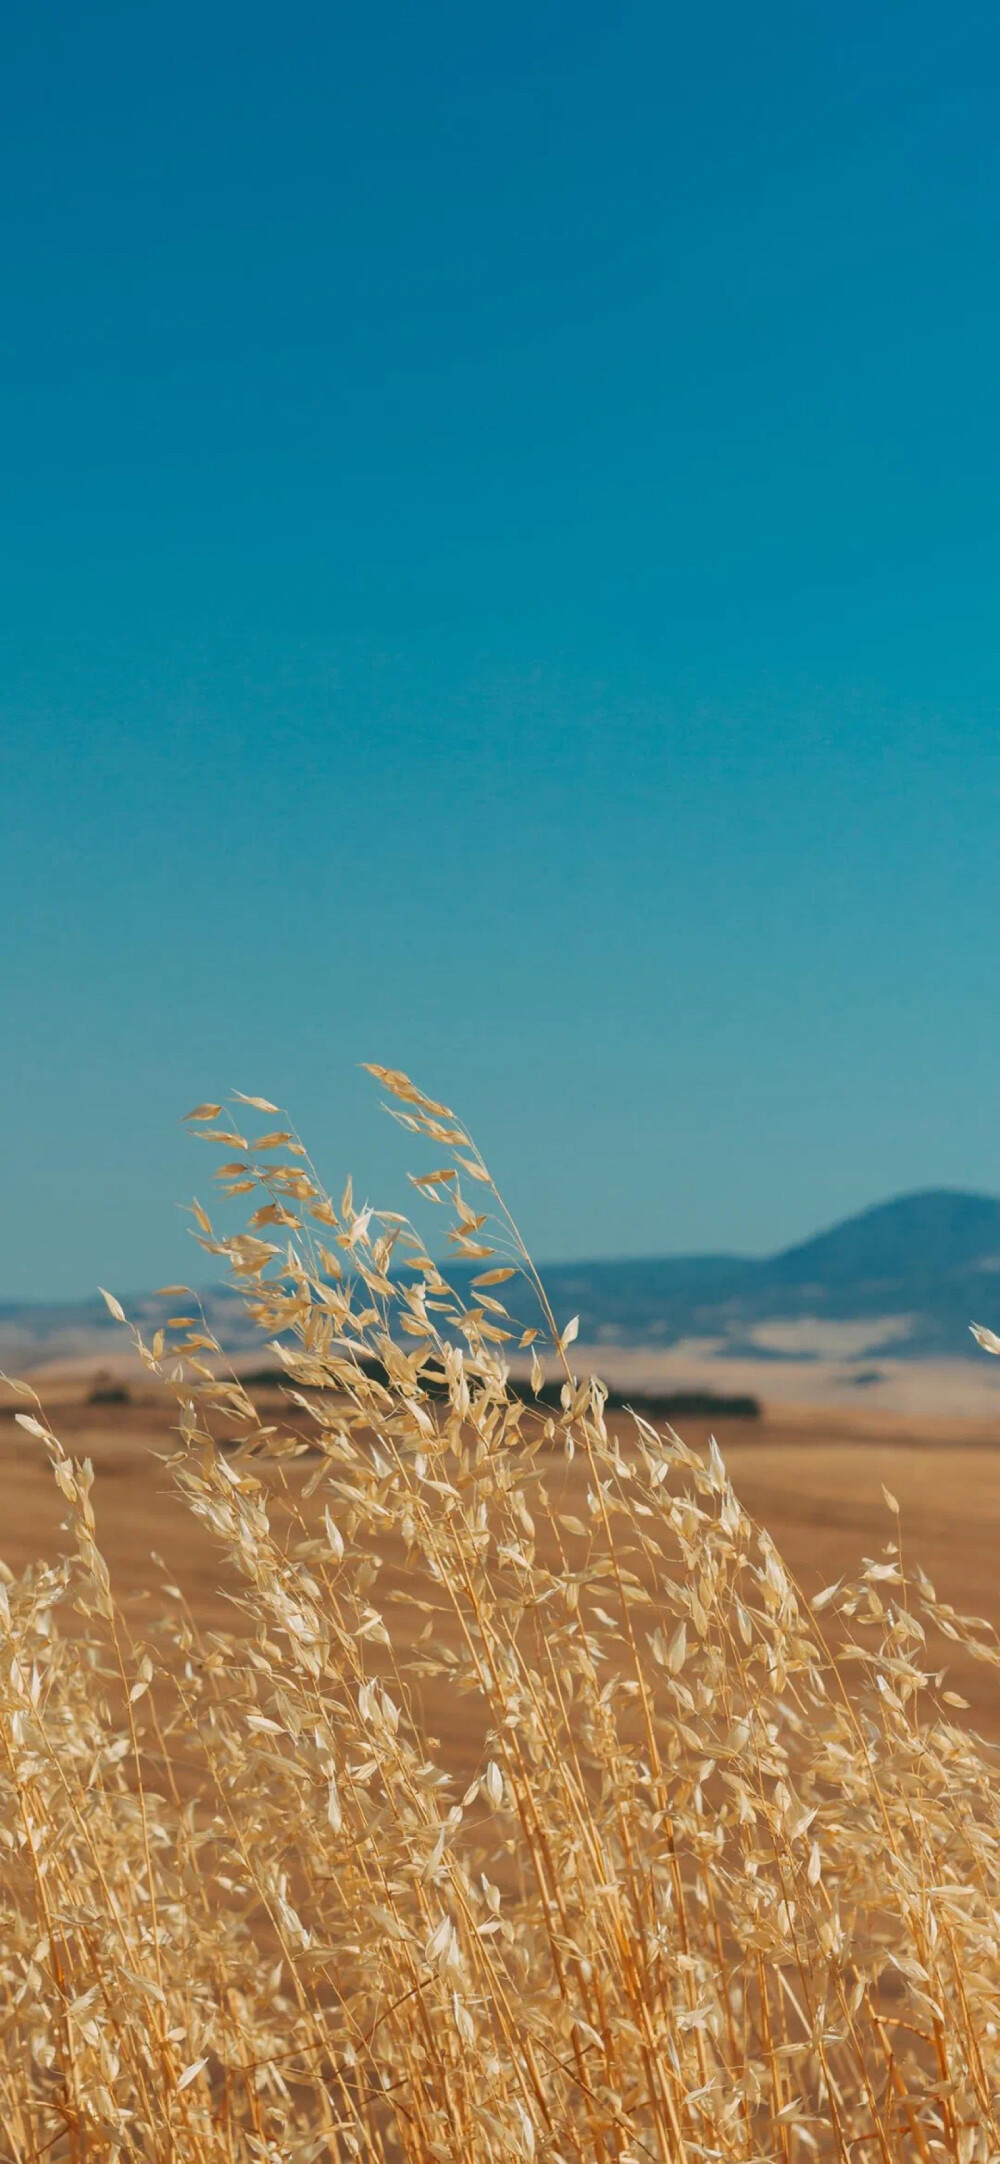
column 391, row 1768
column 815, row 1480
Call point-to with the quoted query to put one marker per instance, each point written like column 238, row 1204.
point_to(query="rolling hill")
column 923, row 1265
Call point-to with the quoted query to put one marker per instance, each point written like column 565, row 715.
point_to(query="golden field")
column 813, row 1476
column 394, row 1768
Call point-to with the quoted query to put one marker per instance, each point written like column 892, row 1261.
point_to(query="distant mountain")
column 926, row 1264
column 920, row 1237
column 915, row 1271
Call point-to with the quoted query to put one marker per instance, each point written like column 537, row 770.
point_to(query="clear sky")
column 500, row 576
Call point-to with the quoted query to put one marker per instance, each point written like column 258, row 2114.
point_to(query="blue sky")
column 499, row 564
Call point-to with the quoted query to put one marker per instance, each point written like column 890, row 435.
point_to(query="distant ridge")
column 917, row 1269
column 931, row 1259
column 937, row 1230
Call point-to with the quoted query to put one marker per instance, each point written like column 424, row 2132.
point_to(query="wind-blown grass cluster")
column 719, row 1876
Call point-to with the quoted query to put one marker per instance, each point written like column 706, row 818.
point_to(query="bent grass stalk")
column 717, row 1877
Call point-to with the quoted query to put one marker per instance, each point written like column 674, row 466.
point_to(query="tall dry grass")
column 722, row 1881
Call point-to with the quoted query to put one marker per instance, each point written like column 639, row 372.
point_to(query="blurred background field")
column 813, row 1476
